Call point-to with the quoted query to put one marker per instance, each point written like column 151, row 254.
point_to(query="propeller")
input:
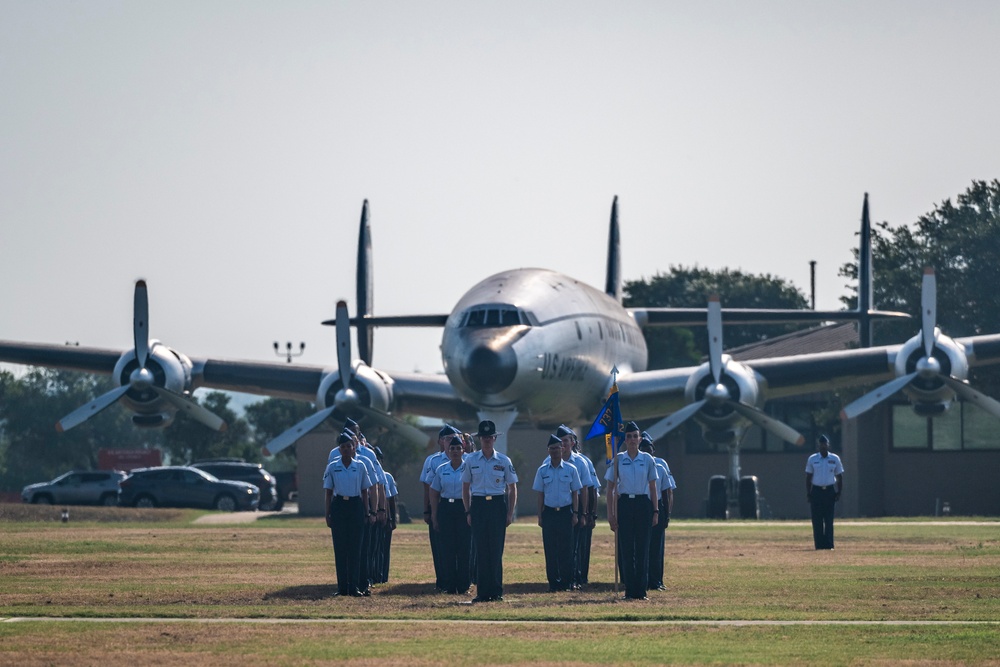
column 141, row 379
column 346, row 399
column 717, row 394
column 927, row 367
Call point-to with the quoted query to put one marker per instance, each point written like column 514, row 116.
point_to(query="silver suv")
column 78, row 487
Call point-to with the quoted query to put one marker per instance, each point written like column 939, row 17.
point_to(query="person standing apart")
column 448, row 520
column 346, row 483
column 558, row 485
column 631, row 501
column 824, row 482
column 488, row 474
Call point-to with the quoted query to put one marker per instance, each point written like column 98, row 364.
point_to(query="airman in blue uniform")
column 589, row 480
column 824, row 482
column 665, row 496
column 488, row 475
column 431, row 464
column 558, row 485
column 449, row 522
column 346, row 483
column 631, row 498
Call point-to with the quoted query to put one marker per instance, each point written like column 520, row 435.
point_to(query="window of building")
column 962, row 427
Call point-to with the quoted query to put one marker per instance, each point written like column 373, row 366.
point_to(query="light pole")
column 288, row 354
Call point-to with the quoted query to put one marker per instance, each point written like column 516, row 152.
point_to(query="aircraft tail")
column 865, row 288
column 366, row 332
column 613, row 283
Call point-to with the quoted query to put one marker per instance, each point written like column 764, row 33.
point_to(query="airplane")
column 525, row 344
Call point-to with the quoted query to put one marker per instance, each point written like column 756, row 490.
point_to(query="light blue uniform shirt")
column 448, row 481
column 634, row 475
column 593, row 475
column 488, row 476
column 390, row 486
column 557, row 483
column 367, row 457
column 664, row 480
column 346, row 480
column 430, row 465
column 824, row 470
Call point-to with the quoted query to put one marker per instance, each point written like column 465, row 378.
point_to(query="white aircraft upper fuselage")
column 540, row 343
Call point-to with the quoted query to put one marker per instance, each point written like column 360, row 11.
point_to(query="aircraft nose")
column 490, row 371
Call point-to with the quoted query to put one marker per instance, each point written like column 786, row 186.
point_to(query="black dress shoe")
column 357, row 594
column 496, row 598
column 661, row 587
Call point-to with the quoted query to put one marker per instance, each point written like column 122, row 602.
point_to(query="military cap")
column 564, row 430
column 487, row 428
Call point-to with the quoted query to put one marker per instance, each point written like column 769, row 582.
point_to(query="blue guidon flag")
column 609, row 423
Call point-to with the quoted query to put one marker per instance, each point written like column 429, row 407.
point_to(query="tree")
column 30, row 405
column 684, row 287
column 188, row 440
column 962, row 243
column 271, row 417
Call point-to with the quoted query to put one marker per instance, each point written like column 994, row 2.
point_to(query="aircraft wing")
column 67, row 357
column 655, row 393
column 674, row 317
column 424, row 394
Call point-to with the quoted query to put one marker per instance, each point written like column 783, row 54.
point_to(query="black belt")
column 633, row 496
column 558, row 509
column 828, row 486
column 493, row 497
column 452, row 500
column 345, row 497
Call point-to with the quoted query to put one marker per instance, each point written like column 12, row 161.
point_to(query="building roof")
column 825, row 338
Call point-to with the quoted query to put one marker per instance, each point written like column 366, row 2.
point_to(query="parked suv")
column 183, row 486
column 254, row 473
column 77, row 487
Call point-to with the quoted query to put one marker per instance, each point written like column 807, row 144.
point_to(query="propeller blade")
column 192, row 409
column 140, row 323
column 87, row 411
column 343, row 344
column 294, row 433
column 396, row 426
column 971, row 395
column 928, row 305
column 670, row 422
column 772, row 426
column 715, row 336
column 876, row 396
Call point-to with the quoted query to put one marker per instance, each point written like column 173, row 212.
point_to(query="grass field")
column 162, row 570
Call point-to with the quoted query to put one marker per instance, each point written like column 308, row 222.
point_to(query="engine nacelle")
column 368, row 388
column 928, row 394
column 170, row 369
column 719, row 422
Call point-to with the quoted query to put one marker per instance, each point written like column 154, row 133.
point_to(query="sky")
column 222, row 151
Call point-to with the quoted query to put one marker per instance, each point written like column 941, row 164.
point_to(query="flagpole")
column 617, row 528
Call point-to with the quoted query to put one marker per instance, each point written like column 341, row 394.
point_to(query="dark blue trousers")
column 347, row 519
column 634, row 518
column 822, row 506
column 557, row 541
column 489, row 531
column 455, row 543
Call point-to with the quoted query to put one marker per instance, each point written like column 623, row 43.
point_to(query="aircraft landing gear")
column 743, row 502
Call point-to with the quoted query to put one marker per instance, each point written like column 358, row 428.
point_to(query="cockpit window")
column 495, row 315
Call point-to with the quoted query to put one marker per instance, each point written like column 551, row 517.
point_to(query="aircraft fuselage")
column 539, row 343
